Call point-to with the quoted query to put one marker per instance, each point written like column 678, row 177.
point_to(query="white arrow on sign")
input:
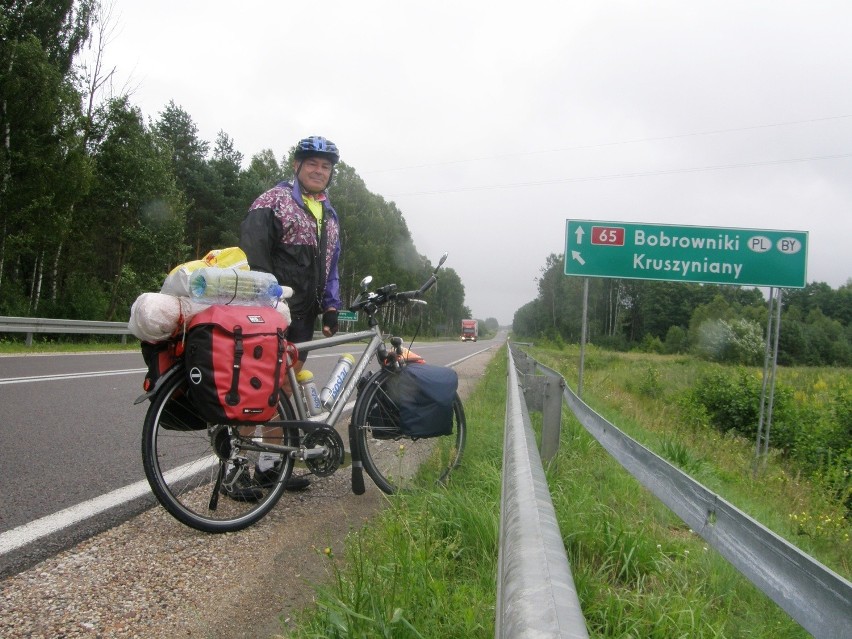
column 576, row 255
column 579, row 233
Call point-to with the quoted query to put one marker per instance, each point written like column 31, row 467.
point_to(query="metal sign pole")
column 583, row 332
column 774, row 370
column 766, row 354
column 761, row 446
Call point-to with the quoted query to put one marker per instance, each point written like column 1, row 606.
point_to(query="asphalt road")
column 70, row 462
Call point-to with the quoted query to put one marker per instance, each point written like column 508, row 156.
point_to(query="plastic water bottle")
column 334, row 385
column 310, row 392
column 233, row 286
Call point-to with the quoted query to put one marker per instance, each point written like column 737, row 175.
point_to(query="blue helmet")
column 317, row 145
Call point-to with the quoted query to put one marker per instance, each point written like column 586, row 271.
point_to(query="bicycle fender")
column 358, row 487
column 174, row 370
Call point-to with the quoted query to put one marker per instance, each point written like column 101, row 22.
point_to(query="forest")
column 716, row 322
column 98, row 204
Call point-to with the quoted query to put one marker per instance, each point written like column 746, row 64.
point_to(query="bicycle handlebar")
column 388, row 292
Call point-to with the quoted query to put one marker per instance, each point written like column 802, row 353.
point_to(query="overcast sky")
column 492, row 123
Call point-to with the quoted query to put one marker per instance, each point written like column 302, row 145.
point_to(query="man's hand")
column 329, row 322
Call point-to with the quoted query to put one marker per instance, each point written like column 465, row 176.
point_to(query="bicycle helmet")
column 317, row 145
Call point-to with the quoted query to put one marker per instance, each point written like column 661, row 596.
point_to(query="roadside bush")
column 737, row 341
column 677, row 341
column 650, row 344
column 731, row 401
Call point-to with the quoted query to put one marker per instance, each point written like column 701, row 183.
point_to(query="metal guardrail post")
column 536, row 596
column 551, row 417
column 543, row 393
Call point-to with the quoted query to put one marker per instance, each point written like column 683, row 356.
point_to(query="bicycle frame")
column 376, row 344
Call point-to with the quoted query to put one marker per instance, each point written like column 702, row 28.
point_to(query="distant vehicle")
column 470, row 330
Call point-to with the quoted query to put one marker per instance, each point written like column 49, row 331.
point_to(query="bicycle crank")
column 322, row 451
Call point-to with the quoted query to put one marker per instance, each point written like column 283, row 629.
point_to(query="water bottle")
column 233, row 286
column 309, row 391
column 333, row 386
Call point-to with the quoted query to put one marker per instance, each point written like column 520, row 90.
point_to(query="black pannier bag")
column 160, row 357
column 424, row 395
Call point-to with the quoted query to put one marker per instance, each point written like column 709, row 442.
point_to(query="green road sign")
column 347, row 316
column 746, row 257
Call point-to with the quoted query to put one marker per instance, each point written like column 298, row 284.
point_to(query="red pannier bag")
column 236, row 359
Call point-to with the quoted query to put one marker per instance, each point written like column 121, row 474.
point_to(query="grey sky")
column 490, row 125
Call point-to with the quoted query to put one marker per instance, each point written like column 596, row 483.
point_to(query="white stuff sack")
column 155, row 317
column 281, row 306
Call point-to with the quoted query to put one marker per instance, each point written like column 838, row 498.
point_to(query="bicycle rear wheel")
column 188, row 466
column 396, row 461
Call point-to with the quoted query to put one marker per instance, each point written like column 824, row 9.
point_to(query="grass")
column 64, row 344
column 426, row 567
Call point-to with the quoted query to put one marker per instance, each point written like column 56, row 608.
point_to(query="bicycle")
column 188, row 462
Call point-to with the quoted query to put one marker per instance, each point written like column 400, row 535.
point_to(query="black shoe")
column 243, row 489
column 297, row 482
column 268, row 478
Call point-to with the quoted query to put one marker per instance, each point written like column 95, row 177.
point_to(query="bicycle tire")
column 182, row 463
column 395, row 461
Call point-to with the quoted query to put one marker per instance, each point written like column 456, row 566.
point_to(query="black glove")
column 329, row 318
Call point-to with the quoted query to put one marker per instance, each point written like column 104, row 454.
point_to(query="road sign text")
column 712, row 255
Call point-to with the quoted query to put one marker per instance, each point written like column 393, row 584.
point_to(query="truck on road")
column 469, row 330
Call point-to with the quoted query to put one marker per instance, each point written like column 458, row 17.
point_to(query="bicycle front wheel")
column 396, row 461
column 195, row 473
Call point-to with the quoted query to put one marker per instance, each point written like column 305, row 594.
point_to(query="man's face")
column 314, row 173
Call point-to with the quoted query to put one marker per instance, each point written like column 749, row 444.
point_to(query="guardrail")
column 32, row 325
column 536, row 596
column 817, row 598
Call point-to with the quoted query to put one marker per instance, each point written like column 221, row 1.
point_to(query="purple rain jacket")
column 279, row 236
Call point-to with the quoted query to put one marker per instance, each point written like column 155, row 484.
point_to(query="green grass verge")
column 65, row 344
column 426, row 566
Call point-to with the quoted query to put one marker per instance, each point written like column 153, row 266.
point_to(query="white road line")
column 23, row 535
column 27, row 533
column 49, row 378
column 459, row 361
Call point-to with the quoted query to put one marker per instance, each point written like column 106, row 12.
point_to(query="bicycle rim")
column 394, row 461
column 184, row 457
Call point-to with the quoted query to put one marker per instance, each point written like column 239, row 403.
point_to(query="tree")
column 226, row 164
column 136, row 209
column 179, row 135
column 40, row 167
column 262, row 174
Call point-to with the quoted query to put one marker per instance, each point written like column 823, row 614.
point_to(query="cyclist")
column 293, row 232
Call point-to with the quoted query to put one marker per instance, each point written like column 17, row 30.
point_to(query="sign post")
column 713, row 255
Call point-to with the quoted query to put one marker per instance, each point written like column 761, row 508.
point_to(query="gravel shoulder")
column 153, row 577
